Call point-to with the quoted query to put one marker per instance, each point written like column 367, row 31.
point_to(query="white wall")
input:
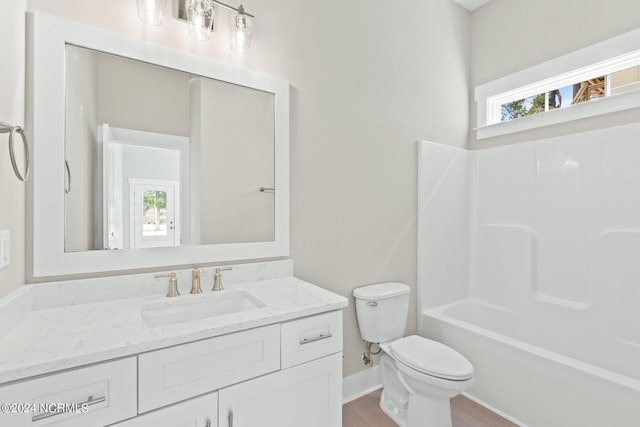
column 368, row 80
column 508, row 36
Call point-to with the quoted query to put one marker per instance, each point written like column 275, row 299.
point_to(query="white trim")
column 360, row 384
column 47, row 37
column 602, row 58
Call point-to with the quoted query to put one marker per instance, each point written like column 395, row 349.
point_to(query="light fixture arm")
column 240, row 9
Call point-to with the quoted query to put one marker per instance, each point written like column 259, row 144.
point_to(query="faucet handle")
column 173, row 284
column 196, row 274
column 217, row 278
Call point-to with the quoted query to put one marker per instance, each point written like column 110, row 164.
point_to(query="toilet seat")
column 431, row 358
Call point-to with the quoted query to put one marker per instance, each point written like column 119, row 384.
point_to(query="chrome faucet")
column 217, row 278
column 173, row 284
column 196, row 274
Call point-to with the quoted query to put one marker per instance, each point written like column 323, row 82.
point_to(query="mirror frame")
column 47, row 37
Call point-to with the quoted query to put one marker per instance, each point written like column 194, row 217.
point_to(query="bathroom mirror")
column 158, row 157
column 146, row 156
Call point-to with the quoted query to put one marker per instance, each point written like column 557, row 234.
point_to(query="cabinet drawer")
column 178, row 373
column 198, row 412
column 311, row 337
column 93, row 396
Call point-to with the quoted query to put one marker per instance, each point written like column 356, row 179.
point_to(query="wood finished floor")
column 365, row 412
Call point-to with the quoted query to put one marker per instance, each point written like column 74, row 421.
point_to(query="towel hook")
column 12, row 131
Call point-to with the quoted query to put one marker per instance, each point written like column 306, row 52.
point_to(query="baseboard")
column 360, row 384
column 492, row 409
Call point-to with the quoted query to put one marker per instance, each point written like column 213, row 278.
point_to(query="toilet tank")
column 382, row 311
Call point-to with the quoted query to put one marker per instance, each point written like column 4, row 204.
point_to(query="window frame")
column 603, row 58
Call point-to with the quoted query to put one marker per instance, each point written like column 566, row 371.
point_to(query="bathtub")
column 540, row 369
column 528, row 265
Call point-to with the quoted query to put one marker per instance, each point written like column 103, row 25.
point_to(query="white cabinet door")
column 308, row 395
column 199, row 412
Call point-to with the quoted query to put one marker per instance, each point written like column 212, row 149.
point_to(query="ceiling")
column 471, row 4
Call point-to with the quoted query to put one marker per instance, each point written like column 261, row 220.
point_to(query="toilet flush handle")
column 372, row 303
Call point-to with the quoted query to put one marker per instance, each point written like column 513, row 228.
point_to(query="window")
column 608, row 72
column 578, row 92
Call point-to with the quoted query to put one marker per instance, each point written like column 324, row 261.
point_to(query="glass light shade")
column 150, row 11
column 241, row 28
column 200, row 14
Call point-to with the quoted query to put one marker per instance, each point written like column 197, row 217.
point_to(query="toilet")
column 419, row 375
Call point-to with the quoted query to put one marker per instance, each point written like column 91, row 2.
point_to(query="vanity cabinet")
column 286, row 375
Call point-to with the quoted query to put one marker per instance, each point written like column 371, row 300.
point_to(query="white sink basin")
column 194, row 308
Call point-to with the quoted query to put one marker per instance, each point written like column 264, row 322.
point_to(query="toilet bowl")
column 417, row 395
column 418, row 375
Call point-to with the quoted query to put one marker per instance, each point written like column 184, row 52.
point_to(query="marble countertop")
column 50, row 339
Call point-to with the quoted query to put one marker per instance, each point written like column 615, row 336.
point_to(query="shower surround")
column 529, row 265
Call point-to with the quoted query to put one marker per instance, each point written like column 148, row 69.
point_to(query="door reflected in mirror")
column 161, row 157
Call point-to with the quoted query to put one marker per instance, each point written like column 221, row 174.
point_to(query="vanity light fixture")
column 150, row 11
column 200, row 17
column 241, row 28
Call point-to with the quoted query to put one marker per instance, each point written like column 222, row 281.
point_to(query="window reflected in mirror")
column 154, row 213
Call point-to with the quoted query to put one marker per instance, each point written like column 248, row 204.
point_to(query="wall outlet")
column 5, row 249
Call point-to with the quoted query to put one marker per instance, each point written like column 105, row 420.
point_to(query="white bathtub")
column 542, row 370
column 528, row 264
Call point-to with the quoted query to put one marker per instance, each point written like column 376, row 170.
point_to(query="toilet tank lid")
column 381, row 291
